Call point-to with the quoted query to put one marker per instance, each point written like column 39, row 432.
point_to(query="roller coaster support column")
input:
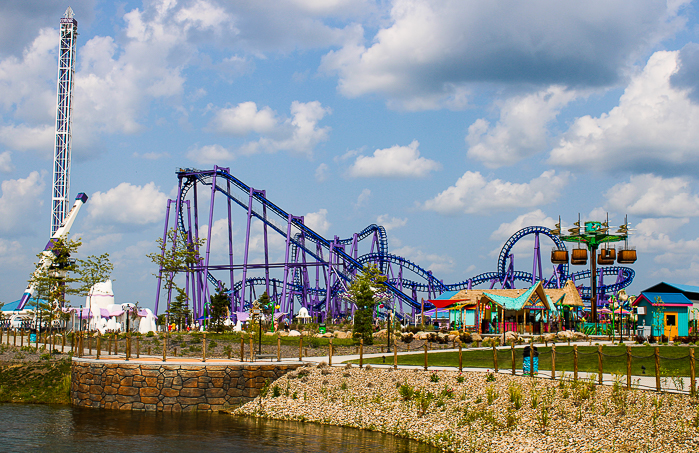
column 287, row 306
column 537, row 260
column 230, row 246
column 264, row 232
column 200, row 276
column 329, row 285
column 593, row 284
column 208, row 236
column 162, row 254
column 247, row 251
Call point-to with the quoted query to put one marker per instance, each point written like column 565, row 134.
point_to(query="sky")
column 453, row 123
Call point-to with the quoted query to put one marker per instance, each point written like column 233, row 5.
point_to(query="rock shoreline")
column 469, row 413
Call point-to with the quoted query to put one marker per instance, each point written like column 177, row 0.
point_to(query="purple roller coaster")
column 298, row 267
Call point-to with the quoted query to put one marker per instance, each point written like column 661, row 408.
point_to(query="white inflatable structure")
column 103, row 314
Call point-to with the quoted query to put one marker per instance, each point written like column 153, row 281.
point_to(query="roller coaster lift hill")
column 316, row 271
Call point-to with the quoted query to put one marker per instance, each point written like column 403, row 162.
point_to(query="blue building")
column 668, row 309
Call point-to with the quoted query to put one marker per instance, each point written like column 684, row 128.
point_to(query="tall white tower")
column 64, row 105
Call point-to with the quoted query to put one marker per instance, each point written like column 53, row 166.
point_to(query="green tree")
column 179, row 310
column 52, row 277
column 176, row 256
column 93, row 270
column 362, row 293
column 218, row 308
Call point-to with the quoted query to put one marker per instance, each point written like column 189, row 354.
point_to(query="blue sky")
column 453, row 123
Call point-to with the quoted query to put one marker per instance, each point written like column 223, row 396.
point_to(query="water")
column 63, row 428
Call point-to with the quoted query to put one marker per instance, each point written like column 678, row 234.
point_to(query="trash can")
column 530, row 362
column 32, row 336
column 321, row 328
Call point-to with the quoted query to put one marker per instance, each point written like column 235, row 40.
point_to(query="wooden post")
column 330, row 351
column 99, row 349
column 575, row 362
column 89, row 346
column 165, row 348
column 138, row 347
column 174, row 351
column 361, row 352
column 203, row 348
column 425, row 356
column 15, row 337
column 461, row 359
column 148, row 350
column 116, row 343
column 63, row 343
column 599, row 362
column 252, row 350
column 300, row 349
column 395, row 356
column 628, row 367
column 242, row 349
column 692, row 373
column 531, row 357
column 279, row 348
column 495, row 359
column 553, row 361
column 513, row 357
column 127, row 347
column 657, row 368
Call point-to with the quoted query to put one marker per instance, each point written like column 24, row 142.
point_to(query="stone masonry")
column 167, row 386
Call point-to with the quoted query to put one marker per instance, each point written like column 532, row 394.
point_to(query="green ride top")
column 595, row 233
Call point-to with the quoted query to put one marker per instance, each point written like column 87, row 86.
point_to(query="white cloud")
column 473, row 193
column 18, row 204
column 521, row 131
column 128, row 204
column 428, row 261
column 390, row 223
column 394, row 162
column 533, row 218
column 655, row 127
column 299, row 134
column 649, row 195
column 429, row 52
column 363, row 198
column 6, row 162
column 244, row 119
column 322, row 172
column 23, row 138
column 210, row 154
column 317, row 221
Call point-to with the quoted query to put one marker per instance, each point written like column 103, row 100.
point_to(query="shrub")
column 434, row 377
column 489, row 376
column 212, row 344
column 515, row 391
column 276, row 391
column 460, row 379
column 406, row 392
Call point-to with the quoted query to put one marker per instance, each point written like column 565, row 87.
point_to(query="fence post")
column 395, row 356
column 127, row 347
column 300, row 349
column 63, row 343
column 657, row 368
column 692, row 373
column 203, row 348
column 531, row 357
column 164, row 348
column 553, row 361
column 330, row 351
column 628, row 367
column 242, row 349
column 425, row 356
column 461, row 359
column 495, row 359
column 361, row 352
column 98, row 346
column 15, row 337
column 575, row 362
column 116, row 343
column 513, row 357
column 138, row 347
column 279, row 348
column 252, row 349
column 599, row 362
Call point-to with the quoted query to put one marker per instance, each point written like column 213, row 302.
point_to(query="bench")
column 266, row 356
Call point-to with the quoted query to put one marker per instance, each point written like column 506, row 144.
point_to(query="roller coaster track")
column 307, row 244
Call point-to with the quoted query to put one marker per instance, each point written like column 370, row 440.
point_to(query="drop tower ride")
column 64, row 105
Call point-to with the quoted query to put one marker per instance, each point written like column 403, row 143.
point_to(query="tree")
column 218, row 308
column 93, row 270
column 177, row 255
column 179, row 310
column 52, row 278
column 365, row 293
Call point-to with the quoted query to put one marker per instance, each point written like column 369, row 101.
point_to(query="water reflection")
column 61, row 428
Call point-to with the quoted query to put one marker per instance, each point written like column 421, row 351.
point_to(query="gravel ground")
column 471, row 414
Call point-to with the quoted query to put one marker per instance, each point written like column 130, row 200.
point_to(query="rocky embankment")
column 481, row 412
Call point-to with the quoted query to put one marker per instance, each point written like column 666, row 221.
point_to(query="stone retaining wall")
column 168, row 386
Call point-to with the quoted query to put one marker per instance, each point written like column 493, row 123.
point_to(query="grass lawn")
column 673, row 361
